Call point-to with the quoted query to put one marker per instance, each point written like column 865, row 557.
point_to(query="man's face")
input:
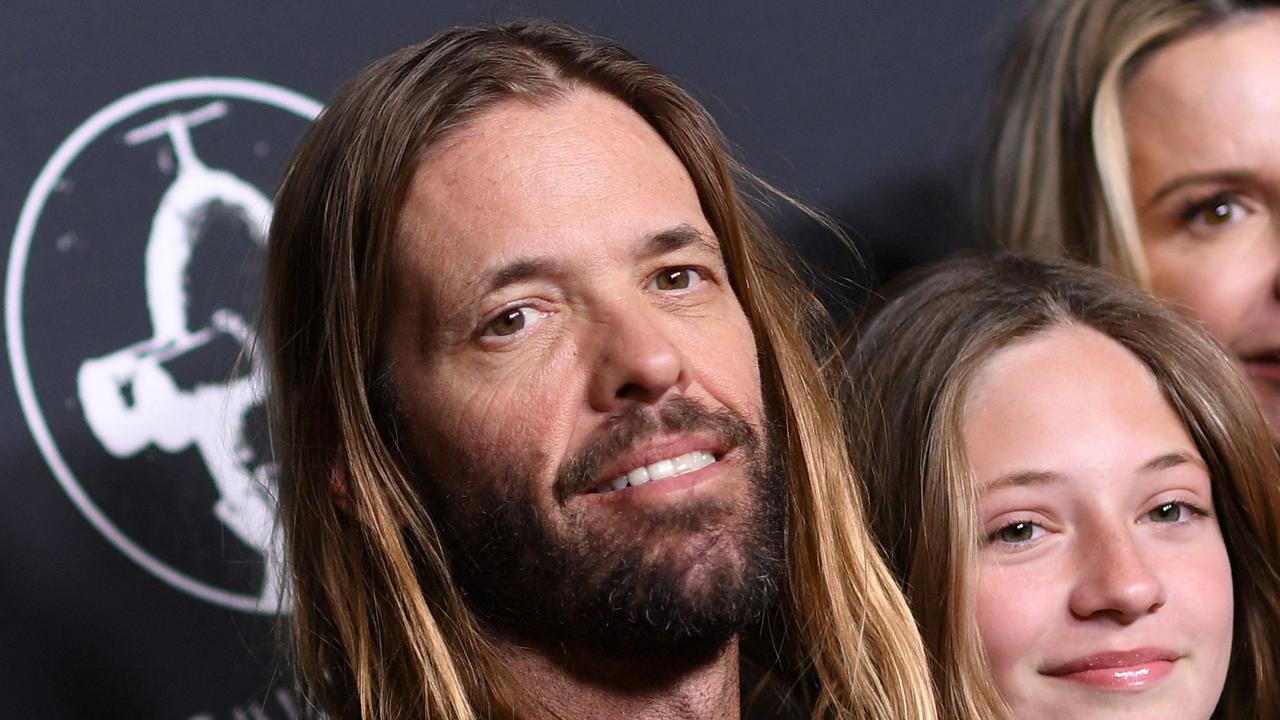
column 578, row 383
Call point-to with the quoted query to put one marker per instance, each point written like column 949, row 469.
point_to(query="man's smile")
column 660, row 470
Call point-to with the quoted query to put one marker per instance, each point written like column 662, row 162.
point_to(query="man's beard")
column 668, row 581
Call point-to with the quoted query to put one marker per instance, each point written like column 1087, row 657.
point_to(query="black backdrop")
column 132, row 580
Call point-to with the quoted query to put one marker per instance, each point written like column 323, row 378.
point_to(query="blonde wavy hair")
column 1058, row 166
column 378, row 629
column 913, row 364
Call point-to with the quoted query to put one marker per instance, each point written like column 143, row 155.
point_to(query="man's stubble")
column 675, row 581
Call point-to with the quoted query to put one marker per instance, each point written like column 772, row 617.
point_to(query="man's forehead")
column 516, row 144
column 579, row 177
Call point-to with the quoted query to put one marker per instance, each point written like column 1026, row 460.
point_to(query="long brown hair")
column 913, row 364
column 379, row 629
column 1058, row 166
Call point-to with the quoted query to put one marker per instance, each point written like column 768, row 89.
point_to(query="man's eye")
column 676, row 279
column 1016, row 533
column 512, row 321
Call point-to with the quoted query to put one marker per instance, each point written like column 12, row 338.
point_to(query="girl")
column 1077, row 493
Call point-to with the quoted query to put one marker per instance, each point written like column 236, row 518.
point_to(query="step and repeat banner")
column 140, row 146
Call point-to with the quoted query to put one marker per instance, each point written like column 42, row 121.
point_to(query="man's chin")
column 699, row 563
column 676, row 577
column 663, row 593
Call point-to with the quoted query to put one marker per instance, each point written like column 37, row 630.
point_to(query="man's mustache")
column 681, row 414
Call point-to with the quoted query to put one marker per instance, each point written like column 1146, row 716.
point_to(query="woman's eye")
column 512, row 321
column 1215, row 212
column 1017, row 532
column 1170, row 512
column 676, row 279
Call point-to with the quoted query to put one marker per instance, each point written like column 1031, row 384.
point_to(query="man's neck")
column 571, row 685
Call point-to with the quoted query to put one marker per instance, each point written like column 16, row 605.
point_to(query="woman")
column 1141, row 136
column 1077, row 493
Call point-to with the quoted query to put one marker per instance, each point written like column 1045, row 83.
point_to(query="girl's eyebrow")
column 1172, row 459
column 1023, row 478
column 1031, row 478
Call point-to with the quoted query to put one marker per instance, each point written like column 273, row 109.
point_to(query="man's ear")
column 340, row 486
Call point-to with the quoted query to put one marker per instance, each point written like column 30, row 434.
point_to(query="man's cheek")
column 503, row 424
column 464, row 402
column 734, row 382
column 734, row 350
column 503, row 421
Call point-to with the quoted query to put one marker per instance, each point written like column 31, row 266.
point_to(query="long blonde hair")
column 1058, row 168
column 913, row 364
column 379, row 629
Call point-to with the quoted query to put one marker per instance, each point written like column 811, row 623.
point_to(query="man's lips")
column 1125, row 669
column 656, row 460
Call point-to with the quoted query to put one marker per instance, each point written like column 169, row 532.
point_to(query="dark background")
column 871, row 110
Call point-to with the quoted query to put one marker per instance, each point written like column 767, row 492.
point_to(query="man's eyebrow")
column 516, row 271
column 677, row 238
column 658, row 243
column 1172, row 459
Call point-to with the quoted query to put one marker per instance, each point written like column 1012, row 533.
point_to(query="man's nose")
column 639, row 360
column 1115, row 580
column 1274, row 245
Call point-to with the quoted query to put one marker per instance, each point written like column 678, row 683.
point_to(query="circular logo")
column 130, row 301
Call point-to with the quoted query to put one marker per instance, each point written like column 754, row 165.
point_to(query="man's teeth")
column 678, row 465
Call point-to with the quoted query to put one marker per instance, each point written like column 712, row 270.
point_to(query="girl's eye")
column 676, row 279
column 1170, row 512
column 1016, row 533
column 512, row 321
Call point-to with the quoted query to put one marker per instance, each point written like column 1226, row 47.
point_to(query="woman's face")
column 1202, row 120
column 1104, row 587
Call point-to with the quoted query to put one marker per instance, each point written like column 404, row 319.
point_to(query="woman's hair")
column 912, row 367
column 378, row 628
column 1058, row 164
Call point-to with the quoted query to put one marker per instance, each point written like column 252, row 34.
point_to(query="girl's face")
column 1104, row 587
column 1202, row 121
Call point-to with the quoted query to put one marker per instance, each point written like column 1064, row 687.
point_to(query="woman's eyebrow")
column 1218, row 177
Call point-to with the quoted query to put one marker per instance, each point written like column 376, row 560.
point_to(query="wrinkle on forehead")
column 523, row 174
column 497, row 143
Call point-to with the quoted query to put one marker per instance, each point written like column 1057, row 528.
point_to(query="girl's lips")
column 1125, row 670
column 1132, row 677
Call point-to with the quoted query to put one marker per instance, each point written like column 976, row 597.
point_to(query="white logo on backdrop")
column 130, row 401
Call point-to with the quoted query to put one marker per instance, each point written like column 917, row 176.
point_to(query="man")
column 552, row 438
